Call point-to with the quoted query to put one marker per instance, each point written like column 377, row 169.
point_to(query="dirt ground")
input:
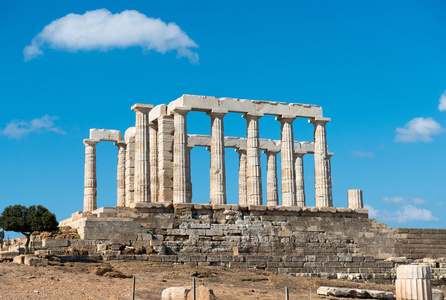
column 76, row 280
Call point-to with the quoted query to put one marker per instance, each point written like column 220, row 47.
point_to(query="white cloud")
column 411, row 213
column 102, row 30
column 363, row 154
column 442, row 105
column 373, row 213
column 396, row 200
column 19, row 128
column 418, row 130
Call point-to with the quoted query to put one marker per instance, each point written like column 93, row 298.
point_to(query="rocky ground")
column 79, row 280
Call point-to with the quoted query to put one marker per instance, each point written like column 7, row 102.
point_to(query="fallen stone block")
column 53, row 243
column 400, row 260
column 8, row 255
column 437, row 295
column 19, row 259
column 354, row 293
column 35, row 261
column 175, row 293
column 186, row 293
column 42, row 253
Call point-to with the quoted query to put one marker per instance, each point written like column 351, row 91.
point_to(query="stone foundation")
column 284, row 239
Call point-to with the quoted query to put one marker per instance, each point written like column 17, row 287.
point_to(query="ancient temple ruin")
column 155, row 207
column 154, row 157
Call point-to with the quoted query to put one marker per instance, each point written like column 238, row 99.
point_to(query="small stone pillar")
column 272, row 193
column 300, row 184
column 330, row 191
column 355, row 199
column 217, row 169
column 90, row 183
column 180, row 156
column 142, row 164
column 413, row 282
column 129, row 138
column 242, row 191
column 121, row 173
column 153, row 145
column 322, row 176
column 253, row 170
column 287, row 160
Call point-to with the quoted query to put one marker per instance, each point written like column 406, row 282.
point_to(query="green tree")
column 26, row 220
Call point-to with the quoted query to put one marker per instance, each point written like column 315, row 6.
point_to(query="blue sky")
column 377, row 68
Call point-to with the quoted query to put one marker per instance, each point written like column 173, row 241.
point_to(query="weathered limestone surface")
column 180, row 173
column 413, row 282
column 105, row 135
column 300, row 183
column 354, row 293
column 242, row 188
column 153, row 145
column 287, row 157
column 272, row 193
column 355, row 198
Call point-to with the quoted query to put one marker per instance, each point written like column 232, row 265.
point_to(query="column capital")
column 90, row 142
column 299, row 154
column 270, row 152
column 120, row 144
column 330, row 154
column 286, row 118
column 217, row 113
column 181, row 111
column 144, row 108
column 240, row 150
column 252, row 116
column 319, row 121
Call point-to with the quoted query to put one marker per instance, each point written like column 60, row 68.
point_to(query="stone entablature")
column 154, row 157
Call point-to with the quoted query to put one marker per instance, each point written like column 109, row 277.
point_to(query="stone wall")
column 284, row 239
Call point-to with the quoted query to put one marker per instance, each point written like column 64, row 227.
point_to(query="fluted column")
column 272, row 193
column 129, row 138
column 165, row 158
column 189, row 176
column 242, row 191
column 321, row 165
column 154, row 184
column 180, row 156
column 300, row 184
column 217, row 170
column 330, row 191
column 142, row 164
column 253, row 170
column 90, row 184
column 121, row 173
column 413, row 282
column 287, row 161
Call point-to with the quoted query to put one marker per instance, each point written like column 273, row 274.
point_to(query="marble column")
column 165, row 158
column 90, row 184
column 189, row 176
column 217, row 169
column 242, row 192
column 272, row 193
column 153, row 143
column 287, row 161
column 180, row 156
column 129, row 138
column 321, row 165
column 253, row 170
column 300, row 184
column 330, row 192
column 355, row 198
column 121, row 173
column 142, row 164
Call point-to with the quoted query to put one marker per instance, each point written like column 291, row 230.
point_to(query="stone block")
column 437, row 294
column 34, row 261
column 8, row 255
column 105, row 135
column 19, row 259
column 53, row 243
column 201, row 293
column 175, row 293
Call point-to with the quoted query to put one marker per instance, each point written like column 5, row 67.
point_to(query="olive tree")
column 26, row 220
